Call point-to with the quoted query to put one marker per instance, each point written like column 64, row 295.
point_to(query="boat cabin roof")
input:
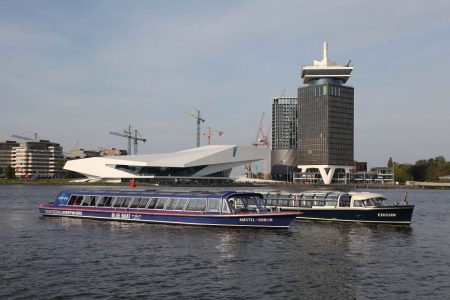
column 156, row 193
column 365, row 195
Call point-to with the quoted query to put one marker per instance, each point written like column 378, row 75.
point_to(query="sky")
column 72, row 71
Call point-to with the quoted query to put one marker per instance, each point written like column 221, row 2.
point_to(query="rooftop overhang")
column 310, row 73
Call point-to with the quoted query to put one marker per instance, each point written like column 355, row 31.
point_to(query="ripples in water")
column 62, row 258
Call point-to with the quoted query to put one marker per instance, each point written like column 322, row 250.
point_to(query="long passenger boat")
column 365, row 207
column 236, row 209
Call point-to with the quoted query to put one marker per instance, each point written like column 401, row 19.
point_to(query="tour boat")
column 235, row 209
column 363, row 207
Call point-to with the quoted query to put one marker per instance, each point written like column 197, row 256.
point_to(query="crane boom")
column 17, row 136
column 128, row 133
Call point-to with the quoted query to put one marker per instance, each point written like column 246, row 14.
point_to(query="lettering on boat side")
column 389, row 215
column 63, row 212
column 255, row 220
column 125, row 216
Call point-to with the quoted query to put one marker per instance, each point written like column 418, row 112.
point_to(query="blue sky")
column 74, row 70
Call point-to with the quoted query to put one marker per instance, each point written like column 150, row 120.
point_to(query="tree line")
column 422, row 170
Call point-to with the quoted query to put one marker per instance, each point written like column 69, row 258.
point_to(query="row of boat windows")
column 189, row 204
column 344, row 202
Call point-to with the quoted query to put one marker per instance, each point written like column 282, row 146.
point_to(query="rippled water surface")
column 62, row 258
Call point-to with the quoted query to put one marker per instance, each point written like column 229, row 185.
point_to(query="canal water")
column 61, row 258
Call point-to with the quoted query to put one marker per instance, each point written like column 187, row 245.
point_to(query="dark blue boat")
column 361, row 207
column 236, row 209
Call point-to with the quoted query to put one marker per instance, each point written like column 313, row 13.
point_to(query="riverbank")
column 279, row 186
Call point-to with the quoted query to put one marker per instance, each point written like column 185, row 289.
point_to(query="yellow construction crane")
column 199, row 120
column 131, row 134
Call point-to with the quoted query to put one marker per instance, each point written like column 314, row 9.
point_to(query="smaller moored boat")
column 364, row 207
column 235, row 209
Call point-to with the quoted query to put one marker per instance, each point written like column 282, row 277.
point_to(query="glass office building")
column 284, row 137
column 326, row 114
column 325, row 119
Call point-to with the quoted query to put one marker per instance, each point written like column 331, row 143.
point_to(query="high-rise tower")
column 325, row 118
column 284, row 137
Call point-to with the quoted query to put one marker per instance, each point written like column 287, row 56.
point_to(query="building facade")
column 212, row 161
column 325, row 120
column 284, row 137
column 6, row 149
column 37, row 158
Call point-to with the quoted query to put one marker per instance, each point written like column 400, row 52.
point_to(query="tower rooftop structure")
column 326, row 68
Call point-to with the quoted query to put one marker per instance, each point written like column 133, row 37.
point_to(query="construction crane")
column 17, row 136
column 131, row 134
column 262, row 139
column 199, row 120
column 210, row 132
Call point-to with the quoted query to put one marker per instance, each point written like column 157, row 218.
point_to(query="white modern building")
column 37, row 158
column 212, row 161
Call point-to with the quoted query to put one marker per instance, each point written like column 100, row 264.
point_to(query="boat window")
column 152, row 203
column 378, row 201
column 197, row 204
column 160, row 203
column 214, row 204
column 369, row 202
column 330, row 202
column 171, row 203
column 344, row 201
column 143, row 202
column 135, row 202
column 225, row 208
column 86, row 200
column 319, row 203
column 93, row 200
column 181, row 203
column 126, row 202
column 119, row 201
column 285, row 202
column 357, row 203
column 101, row 201
column 78, row 200
column 108, row 201
column 72, row 200
column 306, row 203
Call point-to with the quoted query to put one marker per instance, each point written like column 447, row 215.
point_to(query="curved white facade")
column 197, row 162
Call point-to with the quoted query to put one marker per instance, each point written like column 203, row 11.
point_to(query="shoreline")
column 278, row 186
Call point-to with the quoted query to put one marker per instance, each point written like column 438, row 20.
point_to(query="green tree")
column 436, row 167
column 10, row 173
column 403, row 173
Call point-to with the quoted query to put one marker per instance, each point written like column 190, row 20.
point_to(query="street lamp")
column 287, row 171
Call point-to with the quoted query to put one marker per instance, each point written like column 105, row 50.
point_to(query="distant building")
column 37, row 158
column 382, row 175
column 284, row 137
column 6, row 149
column 83, row 153
column 325, row 120
column 359, row 166
column 112, row 152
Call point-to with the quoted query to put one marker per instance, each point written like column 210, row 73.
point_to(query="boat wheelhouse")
column 240, row 209
column 341, row 206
